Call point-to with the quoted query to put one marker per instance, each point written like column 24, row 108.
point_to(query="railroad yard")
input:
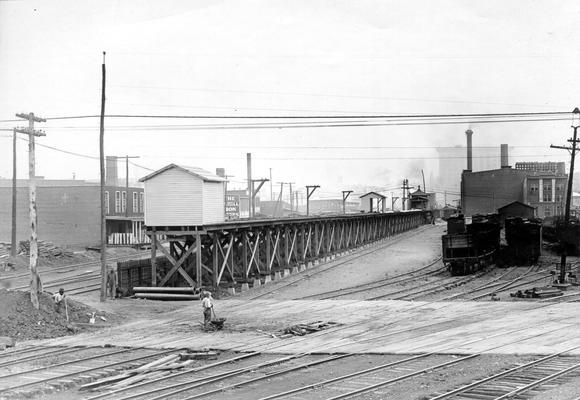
column 384, row 321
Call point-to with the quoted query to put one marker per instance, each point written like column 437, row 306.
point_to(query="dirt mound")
column 21, row 321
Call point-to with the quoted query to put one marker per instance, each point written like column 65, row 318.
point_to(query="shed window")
column 117, row 201
column 124, row 202
column 107, row 208
column 135, row 202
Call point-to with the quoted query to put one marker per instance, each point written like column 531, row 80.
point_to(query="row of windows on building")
column 547, row 193
column 121, row 202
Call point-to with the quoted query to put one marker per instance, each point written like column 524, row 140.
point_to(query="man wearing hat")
column 207, row 305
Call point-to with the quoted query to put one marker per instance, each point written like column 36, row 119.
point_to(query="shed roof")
column 194, row 171
column 373, row 193
column 516, row 202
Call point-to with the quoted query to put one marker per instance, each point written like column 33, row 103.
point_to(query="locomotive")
column 470, row 248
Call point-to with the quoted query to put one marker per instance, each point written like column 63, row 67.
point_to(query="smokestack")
column 504, row 156
column 469, row 133
column 112, row 178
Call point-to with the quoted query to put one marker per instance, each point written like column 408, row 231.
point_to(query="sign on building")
column 232, row 207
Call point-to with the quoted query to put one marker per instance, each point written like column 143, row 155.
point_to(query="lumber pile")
column 305, row 329
column 45, row 249
column 537, row 293
column 153, row 370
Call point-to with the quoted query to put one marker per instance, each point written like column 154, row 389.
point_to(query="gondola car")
column 471, row 249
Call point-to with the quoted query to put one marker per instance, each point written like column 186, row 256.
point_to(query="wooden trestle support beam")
column 242, row 251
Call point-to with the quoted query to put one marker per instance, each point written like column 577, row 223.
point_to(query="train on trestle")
column 468, row 248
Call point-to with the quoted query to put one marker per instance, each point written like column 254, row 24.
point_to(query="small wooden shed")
column 516, row 209
column 183, row 196
column 372, row 202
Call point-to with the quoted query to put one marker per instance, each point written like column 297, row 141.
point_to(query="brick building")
column 545, row 187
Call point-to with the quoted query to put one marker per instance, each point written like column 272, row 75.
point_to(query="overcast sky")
column 285, row 58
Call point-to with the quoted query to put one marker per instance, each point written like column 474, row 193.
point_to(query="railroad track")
column 30, row 371
column 358, row 253
column 305, row 376
column 518, row 380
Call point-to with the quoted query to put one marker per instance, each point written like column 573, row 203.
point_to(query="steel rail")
column 412, row 374
column 203, row 368
column 36, row 356
column 433, row 290
column 492, row 283
column 266, row 376
column 508, row 284
column 539, row 382
column 10, row 353
column 46, row 268
column 499, row 375
column 368, row 285
column 84, row 370
column 78, row 349
column 443, row 280
column 359, row 252
column 513, row 286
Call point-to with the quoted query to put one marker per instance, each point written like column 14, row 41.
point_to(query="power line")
column 162, row 116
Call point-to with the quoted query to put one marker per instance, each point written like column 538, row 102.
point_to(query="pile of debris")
column 153, row 370
column 45, row 249
column 305, row 329
column 538, row 293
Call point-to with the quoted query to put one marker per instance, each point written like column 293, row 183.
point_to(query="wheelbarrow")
column 218, row 323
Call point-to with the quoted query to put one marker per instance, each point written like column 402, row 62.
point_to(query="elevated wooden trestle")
column 241, row 251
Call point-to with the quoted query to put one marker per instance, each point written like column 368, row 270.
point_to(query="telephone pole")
column 255, row 192
column 279, row 199
column 345, row 194
column 309, row 190
column 35, row 284
column 102, row 167
column 572, row 149
column 13, row 238
column 250, row 186
column 393, row 199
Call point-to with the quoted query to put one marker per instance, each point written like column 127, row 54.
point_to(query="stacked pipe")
column 166, row 293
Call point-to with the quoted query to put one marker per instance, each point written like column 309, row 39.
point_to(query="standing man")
column 59, row 299
column 207, row 305
column 111, row 282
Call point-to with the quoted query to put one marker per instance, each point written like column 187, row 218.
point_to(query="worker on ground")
column 207, row 305
column 111, row 282
column 59, row 299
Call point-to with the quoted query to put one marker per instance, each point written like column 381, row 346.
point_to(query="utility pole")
column 345, row 194
column 13, row 238
column 393, row 199
column 309, row 190
column 255, row 192
column 102, row 166
column 291, row 199
column 35, row 284
column 271, row 193
column 296, row 192
column 572, row 150
column 279, row 199
column 250, row 188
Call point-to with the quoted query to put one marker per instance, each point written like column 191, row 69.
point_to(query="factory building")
column 68, row 212
column 541, row 185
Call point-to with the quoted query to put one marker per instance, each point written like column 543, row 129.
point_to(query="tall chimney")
column 112, row 178
column 504, row 156
column 469, row 133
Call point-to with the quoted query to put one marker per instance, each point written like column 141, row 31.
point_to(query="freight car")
column 473, row 248
column 524, row 241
